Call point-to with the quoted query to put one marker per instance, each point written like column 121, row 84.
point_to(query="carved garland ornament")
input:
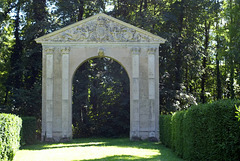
column 101, row 29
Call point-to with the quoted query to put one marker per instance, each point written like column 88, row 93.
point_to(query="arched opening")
column 100, row 99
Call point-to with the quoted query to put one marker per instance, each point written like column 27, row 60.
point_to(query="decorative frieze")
column 101, row 29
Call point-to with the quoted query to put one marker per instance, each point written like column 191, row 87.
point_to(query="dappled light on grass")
column 98, row 150
column 74, row 145
column 86, row 153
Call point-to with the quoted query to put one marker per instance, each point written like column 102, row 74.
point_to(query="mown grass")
column 97, row 149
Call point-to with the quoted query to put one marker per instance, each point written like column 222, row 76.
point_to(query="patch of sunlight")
column 74, row 145
column 84, row 153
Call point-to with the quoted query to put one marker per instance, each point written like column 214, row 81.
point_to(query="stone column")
column 48, row 54
column 65, row 94
column 152, row 87
column 134, row 111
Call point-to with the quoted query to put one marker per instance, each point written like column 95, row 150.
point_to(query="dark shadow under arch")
column 100, row 99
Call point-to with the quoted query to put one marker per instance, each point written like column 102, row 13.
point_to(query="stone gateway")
column 99, row 36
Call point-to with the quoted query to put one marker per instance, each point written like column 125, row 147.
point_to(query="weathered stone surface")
column 100, row 36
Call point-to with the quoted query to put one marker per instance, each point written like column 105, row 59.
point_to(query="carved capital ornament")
column 49, row 50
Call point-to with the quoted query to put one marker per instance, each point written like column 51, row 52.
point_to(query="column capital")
column 65, row 50
column 152, row 50
column 136, row 50
column 48, row 50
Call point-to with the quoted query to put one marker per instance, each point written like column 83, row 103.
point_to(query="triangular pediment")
column 100, row 28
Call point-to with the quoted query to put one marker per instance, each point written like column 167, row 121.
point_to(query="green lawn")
column 92, row 149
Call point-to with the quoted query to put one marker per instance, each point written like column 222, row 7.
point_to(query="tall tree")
column 231, row 53
column 23, row 83
column 68, row 12
column 218, row 45
column 14, row 80
column 207, row 25
column 36, row 25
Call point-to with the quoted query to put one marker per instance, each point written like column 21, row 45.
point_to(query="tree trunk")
column 231, row 57
column 219, row 84
column 81, row 10
column 15, row 76
column 204, row 61
column 186, row 78
column 178, row 59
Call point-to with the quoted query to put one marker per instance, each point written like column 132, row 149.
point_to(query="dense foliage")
column 203, row 132
column 199, row 63
column 10, row 126
column 28, row 131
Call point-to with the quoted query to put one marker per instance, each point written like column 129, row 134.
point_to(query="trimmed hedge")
column 165, row 129
column 28, row 132
column 204, row 132
column 10, row 126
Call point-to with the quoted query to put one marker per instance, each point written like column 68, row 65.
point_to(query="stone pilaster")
column 152, row 87
column 48, row 53
column 65, row 93
column 135, row 120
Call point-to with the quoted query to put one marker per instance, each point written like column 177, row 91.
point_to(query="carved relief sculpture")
column 101, row 29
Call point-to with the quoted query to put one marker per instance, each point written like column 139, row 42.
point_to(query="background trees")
column 101, row 99
column 199, row 63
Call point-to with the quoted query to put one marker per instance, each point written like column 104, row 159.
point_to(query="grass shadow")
column 165, row 154
column 118, row 157
column 86, row 142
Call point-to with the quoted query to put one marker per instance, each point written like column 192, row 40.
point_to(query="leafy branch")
column 238, row 112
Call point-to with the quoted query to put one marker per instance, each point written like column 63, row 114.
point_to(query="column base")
column 144, row 135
